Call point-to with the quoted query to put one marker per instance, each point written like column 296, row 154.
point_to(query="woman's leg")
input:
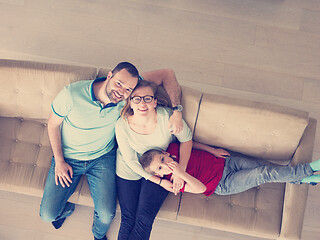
column 151, row 198
column 102, row 184
column 128, row 196
column 241, row 174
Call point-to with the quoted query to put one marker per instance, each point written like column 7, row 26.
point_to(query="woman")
column 144, row 125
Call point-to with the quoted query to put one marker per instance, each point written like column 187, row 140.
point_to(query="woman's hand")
column 63, row 173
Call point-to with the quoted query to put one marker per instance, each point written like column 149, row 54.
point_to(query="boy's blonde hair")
column 147, row 158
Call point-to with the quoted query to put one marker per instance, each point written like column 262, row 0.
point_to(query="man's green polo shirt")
column 88, row 128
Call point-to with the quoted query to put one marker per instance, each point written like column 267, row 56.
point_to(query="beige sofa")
column 272, row 211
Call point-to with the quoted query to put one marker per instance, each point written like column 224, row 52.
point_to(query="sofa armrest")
column 295, row 198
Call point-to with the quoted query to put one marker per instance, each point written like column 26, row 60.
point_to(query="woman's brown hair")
column 159, row 94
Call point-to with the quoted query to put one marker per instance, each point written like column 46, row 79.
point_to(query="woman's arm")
column 185, row 139
column 166, row 184
column 184, row 154
column 129, row 155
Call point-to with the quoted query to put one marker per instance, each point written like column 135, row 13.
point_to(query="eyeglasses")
column 146, row 99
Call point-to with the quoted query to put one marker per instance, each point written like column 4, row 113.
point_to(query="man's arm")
column 167, row 78
column 62, row 169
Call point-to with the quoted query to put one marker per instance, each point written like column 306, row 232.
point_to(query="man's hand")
column 63, row 173
column 175, row 122
column 166, row 184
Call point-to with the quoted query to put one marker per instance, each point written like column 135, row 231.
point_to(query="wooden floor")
column 266, row 50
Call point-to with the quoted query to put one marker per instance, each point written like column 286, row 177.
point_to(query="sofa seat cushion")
column 256, row 212
column 258, row 129
column 25, row 159
column 25, row 155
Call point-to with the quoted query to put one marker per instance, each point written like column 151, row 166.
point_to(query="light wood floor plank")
column 290, row 40
column 273, row 13
column 311, row 90
column 274, row 84
column 267, row 51
column 148, row 15
column 310, row 21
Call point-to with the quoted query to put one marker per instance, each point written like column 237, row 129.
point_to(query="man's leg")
column 241, row 174
column 101, row 179
column 128, row 196
column 151, row 198
column 54, row 205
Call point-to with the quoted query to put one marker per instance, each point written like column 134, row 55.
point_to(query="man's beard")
column 112, row 96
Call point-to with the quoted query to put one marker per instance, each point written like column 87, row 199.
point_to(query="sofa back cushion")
column 190, row 102
column 253, row 128
column 28, row 88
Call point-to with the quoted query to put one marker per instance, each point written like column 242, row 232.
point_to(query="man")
column 81, row 133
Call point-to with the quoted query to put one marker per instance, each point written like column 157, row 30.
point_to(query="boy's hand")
column 175, row 168
column 219, row 152
column 178, row 183
column 166, row 184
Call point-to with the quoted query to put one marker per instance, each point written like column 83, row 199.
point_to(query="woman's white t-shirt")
column 132, row 145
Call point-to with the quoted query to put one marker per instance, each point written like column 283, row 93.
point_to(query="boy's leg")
column 102, row 184
column 151, row 198
column 128, row 196
column 54, row 205
column 241, row 174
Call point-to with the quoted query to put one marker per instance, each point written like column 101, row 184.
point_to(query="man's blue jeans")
column 140, row 201
column 241, row 174
column 100, row 174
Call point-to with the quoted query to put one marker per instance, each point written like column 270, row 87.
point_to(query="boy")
column 225, row 174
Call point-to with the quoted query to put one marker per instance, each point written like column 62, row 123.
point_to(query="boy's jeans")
column 241, row 174
column 100, row 174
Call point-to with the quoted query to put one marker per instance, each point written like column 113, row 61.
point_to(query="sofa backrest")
column 28, row 88
column 253, row 128
column 257, row 129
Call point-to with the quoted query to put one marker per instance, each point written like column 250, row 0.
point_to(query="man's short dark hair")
column 128, row 66
column 146, row 158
